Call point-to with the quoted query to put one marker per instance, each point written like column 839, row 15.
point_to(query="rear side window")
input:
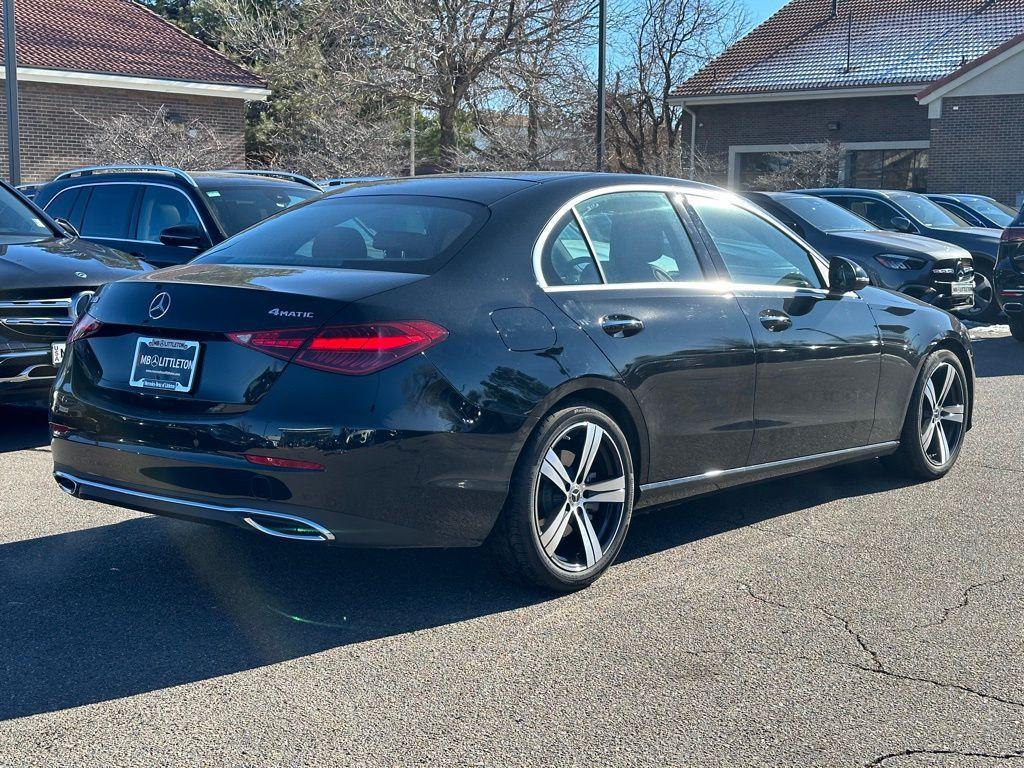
column 392, row 233
column 567, row 259
column 639, row 238
column 109, row 211
column 755, row 251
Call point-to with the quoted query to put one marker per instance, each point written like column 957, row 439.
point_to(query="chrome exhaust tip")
column 66, row 484
column 283, row 526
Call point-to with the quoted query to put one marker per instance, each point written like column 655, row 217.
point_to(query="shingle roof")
column 892, row 42
column 117, row 37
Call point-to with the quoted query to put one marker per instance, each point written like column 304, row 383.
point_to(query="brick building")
column 79, row 62
column 918, row 94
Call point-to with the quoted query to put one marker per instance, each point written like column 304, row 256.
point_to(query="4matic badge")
column 290, row 313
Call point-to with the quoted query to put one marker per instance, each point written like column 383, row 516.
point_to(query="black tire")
column 984, row 286
column 914, row 457
column 535, row 501
column 1017, row 328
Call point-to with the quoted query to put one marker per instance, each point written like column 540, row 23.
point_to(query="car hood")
column 63, row 262
column 901, row 244
column 974, row 239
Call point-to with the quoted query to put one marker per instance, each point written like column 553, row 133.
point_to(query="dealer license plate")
column 165, row 364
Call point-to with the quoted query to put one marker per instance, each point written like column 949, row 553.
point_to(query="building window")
column 888, row 169
column 754, row 166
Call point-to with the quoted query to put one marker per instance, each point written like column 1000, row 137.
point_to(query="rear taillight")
column 355, row 350
column 87, row 325
column 1013, row 235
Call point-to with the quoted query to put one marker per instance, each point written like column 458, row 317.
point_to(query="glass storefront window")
column 888, row 169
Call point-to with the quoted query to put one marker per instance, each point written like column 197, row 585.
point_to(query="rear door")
column 678, row 339
column 818, row 354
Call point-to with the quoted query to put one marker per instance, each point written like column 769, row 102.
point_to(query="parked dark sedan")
column 165, row 215
column 977, row 210
column 914, row 213
column 47, row 276
column 520, row 360
column 1009, row 278
column 929, row 270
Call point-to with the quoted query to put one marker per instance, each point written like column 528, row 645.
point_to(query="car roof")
column 205, row 179
column 883, row 193
column 489, row 188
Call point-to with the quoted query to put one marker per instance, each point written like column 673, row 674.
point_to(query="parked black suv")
column 1009, row 277
column 977, row 210
column 927, row 269
column 165, row 215
column 47, row 277
column 915, row 214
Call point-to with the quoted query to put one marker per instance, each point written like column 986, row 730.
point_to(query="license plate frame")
column 57, row 350
column 965, row 288
column 173, row 371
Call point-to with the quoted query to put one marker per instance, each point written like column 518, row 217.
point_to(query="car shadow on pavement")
column 998, row 356
column 150, row 603
column 23, row 428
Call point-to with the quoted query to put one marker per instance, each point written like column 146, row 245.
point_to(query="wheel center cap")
column 576, row 493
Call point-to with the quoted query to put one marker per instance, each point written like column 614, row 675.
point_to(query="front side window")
column 163, row 207
column 109, row 211
column 928, row 212
column 755, row 251
column 566, row 259
column 639, row 238
column 18, row 223
column 389, row 233
column 879, row 213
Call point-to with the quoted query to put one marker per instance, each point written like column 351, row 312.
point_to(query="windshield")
column 927, row 212
column 239, row 206
column 1001, row 215
column 824, row 214
column 390, row 233
column 18, row 222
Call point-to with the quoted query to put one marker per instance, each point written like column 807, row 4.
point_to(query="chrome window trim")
column 669, row 189
column 191, row 202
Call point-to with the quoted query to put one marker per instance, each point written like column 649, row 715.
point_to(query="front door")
column 818, row 354
column 679, row 341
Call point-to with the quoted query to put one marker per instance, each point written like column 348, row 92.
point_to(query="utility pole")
column 412, row 141
column 602, row 22
column 11, row 82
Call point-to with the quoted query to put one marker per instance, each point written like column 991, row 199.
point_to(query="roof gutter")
column 130, row 83
column 804, row 95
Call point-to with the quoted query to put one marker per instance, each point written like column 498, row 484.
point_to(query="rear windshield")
column 391, row 233
column 238, row 206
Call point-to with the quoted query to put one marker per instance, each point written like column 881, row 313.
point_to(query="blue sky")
column 762, row 9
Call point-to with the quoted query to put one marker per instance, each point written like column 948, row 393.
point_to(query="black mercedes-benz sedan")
column 512, row 360
column 931, row 270
column 47, row 275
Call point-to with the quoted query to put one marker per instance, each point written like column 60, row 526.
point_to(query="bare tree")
column 156, row 137
column 802, row 169
column 667, row 41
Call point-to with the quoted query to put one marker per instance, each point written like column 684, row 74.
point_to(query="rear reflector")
column 1013, row 235
column 355, row 350
column 272, row 461
column 59, row 430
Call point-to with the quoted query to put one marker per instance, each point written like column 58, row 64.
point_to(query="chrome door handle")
column 621, row 326
column 774, row 320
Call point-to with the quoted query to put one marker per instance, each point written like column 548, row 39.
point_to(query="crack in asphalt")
column 965, row 598
column 1017, row 754
column 876, row 666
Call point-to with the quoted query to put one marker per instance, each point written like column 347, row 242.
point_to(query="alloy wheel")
column 580, row 497
column 984, row 295
column 942, row 414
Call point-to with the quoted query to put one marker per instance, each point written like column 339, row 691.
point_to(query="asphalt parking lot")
column 844, row 618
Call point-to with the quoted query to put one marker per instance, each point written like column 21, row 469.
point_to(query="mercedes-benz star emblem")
column 81, row 275
column 160, row 304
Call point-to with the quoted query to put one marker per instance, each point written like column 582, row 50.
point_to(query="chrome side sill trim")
column 865, row 451
column 245, row 513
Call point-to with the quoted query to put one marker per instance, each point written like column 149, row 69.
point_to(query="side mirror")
column 68, row 227
column 845, row 276
column 183, row 236
column 902, row 224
